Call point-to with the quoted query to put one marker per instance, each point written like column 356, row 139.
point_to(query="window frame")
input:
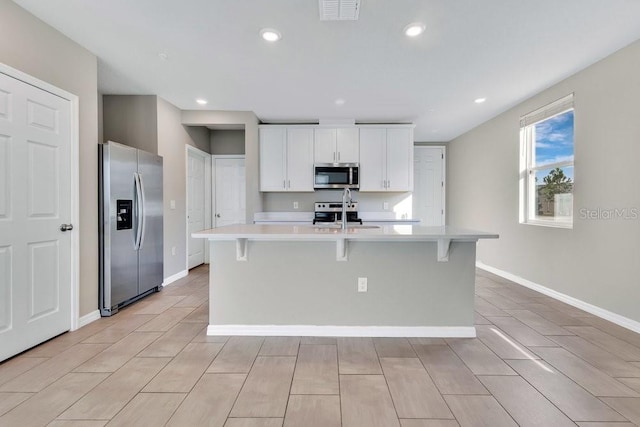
column 528, row 168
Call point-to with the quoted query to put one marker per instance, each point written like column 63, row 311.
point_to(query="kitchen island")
column 396, row 280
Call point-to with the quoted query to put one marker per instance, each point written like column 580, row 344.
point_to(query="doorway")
column 198, row 202
column 429, row 185
column 38, row 211
column 229, row 190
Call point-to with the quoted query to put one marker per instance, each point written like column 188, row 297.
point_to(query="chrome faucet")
column 346, row 193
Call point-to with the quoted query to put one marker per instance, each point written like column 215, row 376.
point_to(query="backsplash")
column 368, row 202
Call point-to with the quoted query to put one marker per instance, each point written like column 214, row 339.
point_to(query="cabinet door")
column 324, row 146
column 372, row 159
column 399, row 159
column 348, row 145
column 273, row 166
column 300, row 159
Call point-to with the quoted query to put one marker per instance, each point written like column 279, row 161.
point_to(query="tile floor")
column 536, row 362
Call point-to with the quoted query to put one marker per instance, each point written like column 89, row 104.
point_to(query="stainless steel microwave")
column 336, row 175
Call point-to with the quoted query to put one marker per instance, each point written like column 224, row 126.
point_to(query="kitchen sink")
column 349, row 227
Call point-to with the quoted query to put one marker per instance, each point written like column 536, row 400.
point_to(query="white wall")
column 31, row 46
column 598, row 261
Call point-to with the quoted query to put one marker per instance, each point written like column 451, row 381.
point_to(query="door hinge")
column 442, row 184
column 442, row 156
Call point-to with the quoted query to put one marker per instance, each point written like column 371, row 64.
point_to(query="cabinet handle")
column 334, row 156
column 389, row 184
column 289, row 184
column 338, row 156
column 284, row 184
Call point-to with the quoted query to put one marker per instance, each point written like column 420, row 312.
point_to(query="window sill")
column 549, row 223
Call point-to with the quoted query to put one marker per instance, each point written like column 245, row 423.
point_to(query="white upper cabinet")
column 273, row 159
column 385, row 155
column 386, row 159
column 373, row 165
column 286, row 159
column 300, row 159
column 337, row 145
column 399, row 159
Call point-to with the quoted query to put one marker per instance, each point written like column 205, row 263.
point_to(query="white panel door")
column 230, row 191
column 300, row 159
column 399, row 159
column 195, row 205
column 428, row 193
column 373, row 167
column 273, row 159
column 35, row 200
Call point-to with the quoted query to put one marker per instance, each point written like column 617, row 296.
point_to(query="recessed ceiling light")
column 340, row 101
column 202, row 101
column 414, row 29
column 480, row 100
column 270, row 35
column 163, row 56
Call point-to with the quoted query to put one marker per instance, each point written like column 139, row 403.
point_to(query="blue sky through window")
column 554, row 141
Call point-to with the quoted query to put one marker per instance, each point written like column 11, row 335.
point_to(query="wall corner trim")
column 169, row 280
column 618, row 319
column 88, row 318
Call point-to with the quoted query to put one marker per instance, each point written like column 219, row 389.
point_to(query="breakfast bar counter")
column 395, row 280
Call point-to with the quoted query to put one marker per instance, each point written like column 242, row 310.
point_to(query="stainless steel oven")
column 332, row 212
column 336, row 175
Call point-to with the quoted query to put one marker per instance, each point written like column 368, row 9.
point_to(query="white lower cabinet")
column 286, row 159
column 386, row 159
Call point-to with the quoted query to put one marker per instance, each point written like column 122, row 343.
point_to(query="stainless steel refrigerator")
column 130, row 218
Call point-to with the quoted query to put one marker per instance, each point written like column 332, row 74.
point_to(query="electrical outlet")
column 173, row 205
column 362, row 284
column 295, row 205
column 173, row 250
column 385, row 206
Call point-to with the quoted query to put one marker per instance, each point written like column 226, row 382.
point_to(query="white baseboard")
column 169, row 280
column 344, row 331
column 625, row 322
column 88, row 318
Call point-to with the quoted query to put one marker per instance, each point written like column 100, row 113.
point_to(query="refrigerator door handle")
column 139, row 211
column 143, row 220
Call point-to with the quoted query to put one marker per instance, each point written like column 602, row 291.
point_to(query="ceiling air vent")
column 339, row 10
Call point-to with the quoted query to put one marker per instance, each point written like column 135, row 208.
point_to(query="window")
column 546, row 165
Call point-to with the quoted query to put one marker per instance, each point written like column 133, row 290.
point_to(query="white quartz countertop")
column 322, row 232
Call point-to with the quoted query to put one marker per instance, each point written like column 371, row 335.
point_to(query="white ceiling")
column 504, row 50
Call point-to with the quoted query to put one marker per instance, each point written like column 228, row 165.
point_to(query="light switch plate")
column 362, row 284
column 173, row 204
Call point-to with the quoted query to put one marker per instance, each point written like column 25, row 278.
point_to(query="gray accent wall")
column 598, row 261
column 131, row 120
column 35, row 48
column 225, row 142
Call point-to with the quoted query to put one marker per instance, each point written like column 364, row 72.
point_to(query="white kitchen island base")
column 293, row 285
